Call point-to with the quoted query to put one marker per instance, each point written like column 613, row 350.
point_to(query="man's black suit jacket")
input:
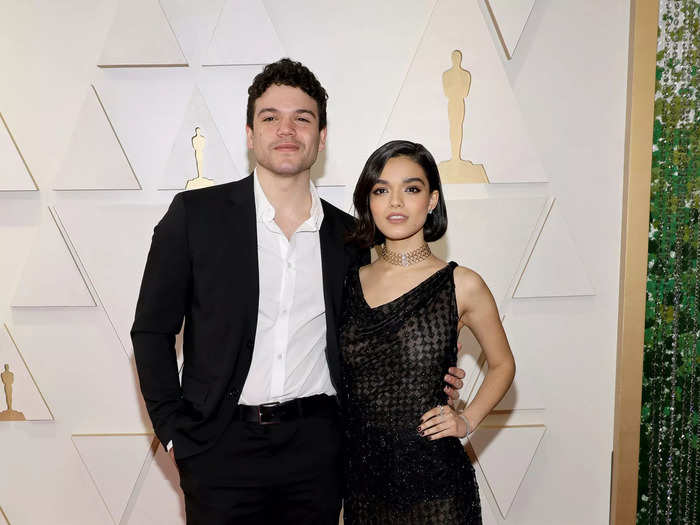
column 203, row 267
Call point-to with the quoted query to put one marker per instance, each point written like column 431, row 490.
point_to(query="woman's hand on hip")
column 443, row 421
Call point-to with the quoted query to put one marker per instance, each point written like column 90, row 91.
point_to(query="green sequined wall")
column 668, row 454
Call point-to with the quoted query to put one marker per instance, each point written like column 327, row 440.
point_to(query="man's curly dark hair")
column 287, row 72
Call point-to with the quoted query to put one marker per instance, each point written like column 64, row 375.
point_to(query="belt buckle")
column 272, row 421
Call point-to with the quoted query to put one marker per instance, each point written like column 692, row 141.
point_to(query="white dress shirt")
column 289, row 356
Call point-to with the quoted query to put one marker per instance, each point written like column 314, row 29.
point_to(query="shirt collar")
column 265, row 212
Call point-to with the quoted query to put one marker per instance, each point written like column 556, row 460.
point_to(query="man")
column 256, row 269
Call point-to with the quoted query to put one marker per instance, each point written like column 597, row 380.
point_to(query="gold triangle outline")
column 69, row 244
column 76, row 257
column 19, row 152
column 71, row 251
column 2, row 512
column 92, row 287
column 121, row 146
column 497, row 26
column 29, row 371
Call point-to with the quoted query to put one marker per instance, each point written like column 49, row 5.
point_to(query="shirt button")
column 289, row 265
column 279, row 356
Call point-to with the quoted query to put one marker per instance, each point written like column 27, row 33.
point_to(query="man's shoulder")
column 212, row 195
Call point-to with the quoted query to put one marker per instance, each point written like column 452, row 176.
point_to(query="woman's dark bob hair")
column 366, row 234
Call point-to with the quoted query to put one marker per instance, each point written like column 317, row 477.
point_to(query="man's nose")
column 286, row 126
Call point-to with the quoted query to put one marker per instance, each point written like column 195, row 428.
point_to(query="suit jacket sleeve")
column 160, row 310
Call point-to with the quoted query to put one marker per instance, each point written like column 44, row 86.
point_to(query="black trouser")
column 256, row 474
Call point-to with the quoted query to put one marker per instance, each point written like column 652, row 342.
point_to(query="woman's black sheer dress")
column 395, row 357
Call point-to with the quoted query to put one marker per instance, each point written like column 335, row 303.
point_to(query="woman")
column 402, row 316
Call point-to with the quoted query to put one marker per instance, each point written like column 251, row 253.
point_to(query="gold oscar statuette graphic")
column 456, row 82
column 9, row 415
column 198, row 143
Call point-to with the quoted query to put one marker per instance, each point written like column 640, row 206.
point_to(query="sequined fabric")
column 395, row 357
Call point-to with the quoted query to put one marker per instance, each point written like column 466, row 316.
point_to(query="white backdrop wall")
column 108, row 148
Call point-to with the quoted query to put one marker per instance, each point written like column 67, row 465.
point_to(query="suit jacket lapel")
column 242, row 252
column 332, row 260
column 333, row 265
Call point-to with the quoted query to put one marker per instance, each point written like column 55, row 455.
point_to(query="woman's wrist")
column 467, row 423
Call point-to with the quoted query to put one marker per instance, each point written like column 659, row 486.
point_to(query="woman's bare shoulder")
column 468, row 280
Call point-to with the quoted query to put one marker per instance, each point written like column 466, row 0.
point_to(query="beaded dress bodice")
column 394, row 360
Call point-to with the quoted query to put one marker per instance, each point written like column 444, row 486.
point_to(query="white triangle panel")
column 182, row 166
column 51, row 276
column 113, row 245
column 494, row 131
column 554, row 268
column 338, row 196
column 359, row 62
column 26, row 396
column 95, row 159
column 244, row 35
column 159, row 498
column 505, row 455
column 14, row 172
column 141, row 36
column 193, row 24
column 219, row 87
column 491, row 236
column 114, row 463
column 510, row 17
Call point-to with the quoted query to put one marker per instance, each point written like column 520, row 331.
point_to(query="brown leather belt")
column 273, row 413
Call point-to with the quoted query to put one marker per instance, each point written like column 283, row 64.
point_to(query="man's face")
column 285, row 138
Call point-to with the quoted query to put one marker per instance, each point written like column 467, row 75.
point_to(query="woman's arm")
column 478, row 311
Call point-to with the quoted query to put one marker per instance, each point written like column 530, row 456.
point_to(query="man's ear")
column 249, row 136
column 322, row 139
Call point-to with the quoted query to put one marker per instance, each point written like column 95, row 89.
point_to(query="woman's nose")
column 396, row 200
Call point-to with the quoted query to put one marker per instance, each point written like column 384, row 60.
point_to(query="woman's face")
column 400, row 199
